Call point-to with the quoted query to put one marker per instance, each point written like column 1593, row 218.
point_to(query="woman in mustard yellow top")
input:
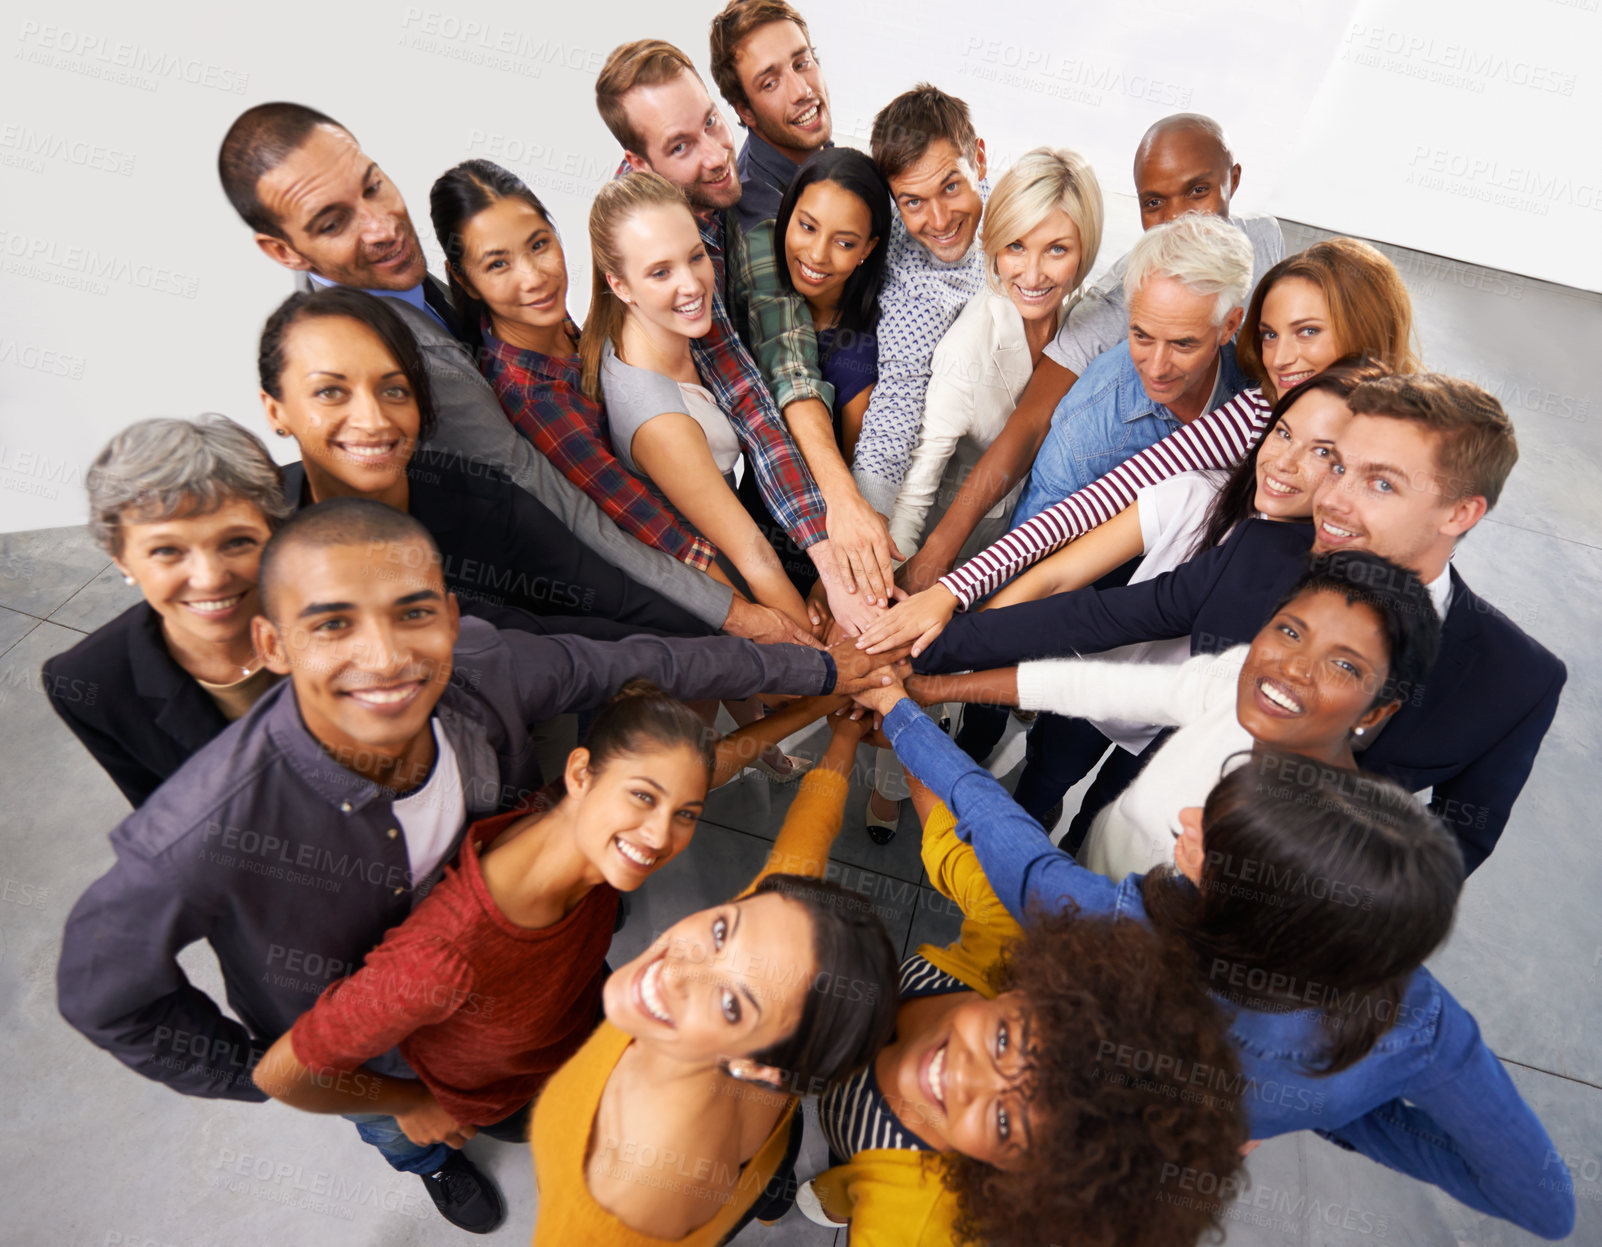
column 669, row 1123
column 1001, row 1108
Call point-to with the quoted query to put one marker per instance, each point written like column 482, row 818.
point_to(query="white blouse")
column 1136, row 831
column 977, row 375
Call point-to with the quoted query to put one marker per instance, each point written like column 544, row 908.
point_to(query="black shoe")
column 880, row 831
column 465, row 1195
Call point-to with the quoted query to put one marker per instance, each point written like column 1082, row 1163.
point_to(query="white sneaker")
column 806, row 1199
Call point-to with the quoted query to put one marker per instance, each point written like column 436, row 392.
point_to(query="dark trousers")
column 982, row 729
column 802, row 573
column 1115, row 775
column 779, row 1194
column 1058, row 754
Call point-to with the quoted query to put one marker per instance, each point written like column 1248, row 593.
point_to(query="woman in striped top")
column 1000, row 1074
column 1338, row 297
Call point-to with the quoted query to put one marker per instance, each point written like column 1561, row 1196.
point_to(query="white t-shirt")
column 1172, row 513
column 430, row 817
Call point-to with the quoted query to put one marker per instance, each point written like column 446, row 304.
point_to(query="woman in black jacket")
column 341, row 374
column 183, row 507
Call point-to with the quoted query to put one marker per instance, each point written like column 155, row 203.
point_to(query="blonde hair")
column 620, row 200
column 1042, row 181
column 1201, row 251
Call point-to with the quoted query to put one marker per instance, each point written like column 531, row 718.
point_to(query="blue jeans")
column 384, row 1133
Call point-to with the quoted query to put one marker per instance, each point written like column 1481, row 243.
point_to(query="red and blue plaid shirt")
column 545, row 402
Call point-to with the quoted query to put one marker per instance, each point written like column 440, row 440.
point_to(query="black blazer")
column 1470, row 732
column 507, row 557
column 134, row 708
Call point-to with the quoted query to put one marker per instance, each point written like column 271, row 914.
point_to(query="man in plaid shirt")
column 658, row 109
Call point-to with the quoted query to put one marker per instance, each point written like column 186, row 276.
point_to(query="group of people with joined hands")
column 864, row 414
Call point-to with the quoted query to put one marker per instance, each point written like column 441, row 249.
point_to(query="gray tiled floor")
column 1526, row 957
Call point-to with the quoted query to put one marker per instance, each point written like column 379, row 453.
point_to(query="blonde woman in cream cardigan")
column 1042, row 230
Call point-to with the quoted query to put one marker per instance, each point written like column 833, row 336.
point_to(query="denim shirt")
column 292, row 867
column 1104, row 419
column 1430, row 1099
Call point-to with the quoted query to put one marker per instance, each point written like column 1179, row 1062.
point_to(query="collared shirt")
column 1100, row 320
column 291, row 866
column 774, row 322
column 545, row 402
column 727, row 369
column 1104, row 419
column 414, row 296
column 765, row 173
column 921, row 299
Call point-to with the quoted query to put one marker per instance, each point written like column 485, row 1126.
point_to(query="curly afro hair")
column 1128, row 1053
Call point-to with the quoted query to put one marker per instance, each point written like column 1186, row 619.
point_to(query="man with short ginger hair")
column 1417, row 466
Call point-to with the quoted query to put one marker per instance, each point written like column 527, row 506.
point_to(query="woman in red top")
column 495, row 978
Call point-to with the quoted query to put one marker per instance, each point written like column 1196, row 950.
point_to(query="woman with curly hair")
column 1007, row 1100
column 1308, row 897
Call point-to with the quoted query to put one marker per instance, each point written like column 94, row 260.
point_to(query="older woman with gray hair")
column 183, row 507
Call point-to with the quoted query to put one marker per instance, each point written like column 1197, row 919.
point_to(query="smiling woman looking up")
column 183, row 507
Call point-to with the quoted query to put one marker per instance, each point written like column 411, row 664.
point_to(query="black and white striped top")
column 855, row 1115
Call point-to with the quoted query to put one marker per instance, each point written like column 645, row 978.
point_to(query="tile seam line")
column 1536, row 1069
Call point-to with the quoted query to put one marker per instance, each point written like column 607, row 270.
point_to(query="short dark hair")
column 729, row 29
column 1477, row 445
column 260, row 140
column 457, row 196
column 848, row 168
column 1396, row 594
column 1110, row 1142
column 1353, row 883
column 1236, row 500
column 357, row 305
column 907, row 125
column 336, row 522
column 839, row 1031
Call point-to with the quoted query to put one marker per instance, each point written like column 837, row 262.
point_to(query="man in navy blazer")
column 1423, row 458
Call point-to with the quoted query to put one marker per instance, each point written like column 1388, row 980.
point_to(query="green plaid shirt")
column 774, row 323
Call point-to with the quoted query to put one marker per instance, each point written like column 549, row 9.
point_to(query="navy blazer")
column 509, row 560
column 134, row 708
column 1470, row 732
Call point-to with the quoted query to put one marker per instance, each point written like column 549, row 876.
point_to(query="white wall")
column 128, row 288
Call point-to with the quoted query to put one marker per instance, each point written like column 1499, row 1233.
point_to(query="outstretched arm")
column 672, row 450
column 1005, row 462
column 810, row 827
column 1022, row 864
